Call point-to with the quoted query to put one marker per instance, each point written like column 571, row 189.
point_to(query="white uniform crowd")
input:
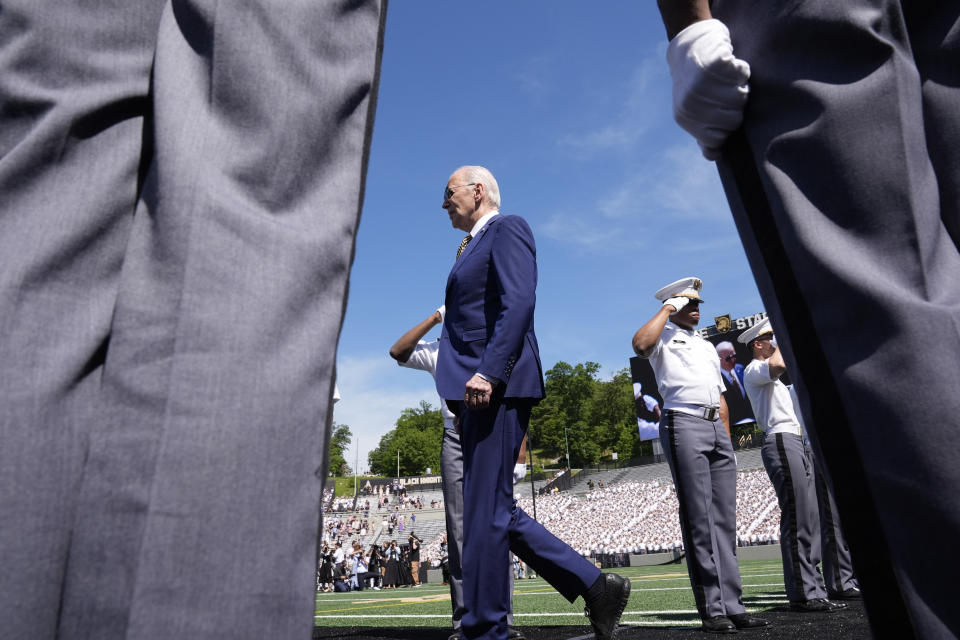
column 630, row 517
column 641, row 517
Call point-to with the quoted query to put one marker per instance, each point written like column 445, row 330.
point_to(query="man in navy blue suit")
column 737, row 402
column 489, row 372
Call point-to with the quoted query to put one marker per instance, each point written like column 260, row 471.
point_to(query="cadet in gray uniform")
column 413, row 353
column 789, row 463
column 837, row 567
column 696, row 438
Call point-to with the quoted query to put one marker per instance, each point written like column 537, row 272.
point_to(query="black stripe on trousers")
column 761, row 240
column 693, row 565
column 827, row 532
column 790, row 499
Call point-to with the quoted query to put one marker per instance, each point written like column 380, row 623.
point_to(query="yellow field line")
column 403, row 602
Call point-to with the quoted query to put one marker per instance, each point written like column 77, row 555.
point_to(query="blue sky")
column 569, row 107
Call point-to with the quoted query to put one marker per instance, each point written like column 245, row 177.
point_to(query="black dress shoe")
column 515, row 634
column 817, row 605
column 604, row 612
column 718, row 624
column 747, row 621
column 852, row 593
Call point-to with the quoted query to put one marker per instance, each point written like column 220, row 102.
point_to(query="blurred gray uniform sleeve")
column 180, row 185
column 852, row 124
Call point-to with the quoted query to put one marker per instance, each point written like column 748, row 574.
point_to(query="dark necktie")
column 463, row 244
column 735, row 382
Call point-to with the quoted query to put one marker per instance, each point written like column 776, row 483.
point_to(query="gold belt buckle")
column 710, row 413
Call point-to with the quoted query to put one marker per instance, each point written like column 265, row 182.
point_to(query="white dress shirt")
column 481, row 223
column 770, row 400
column 424, row 358
column 687, row 370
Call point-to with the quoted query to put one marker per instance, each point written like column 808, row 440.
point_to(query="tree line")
column 595, row 418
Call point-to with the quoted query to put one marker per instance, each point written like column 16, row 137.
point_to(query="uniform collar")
column 677, row 327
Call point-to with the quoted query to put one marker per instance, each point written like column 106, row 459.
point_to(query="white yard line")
column 562, row 614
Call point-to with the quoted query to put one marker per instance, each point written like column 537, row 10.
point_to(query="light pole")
column 398, row 465
column 567, row 441
column 533, row 487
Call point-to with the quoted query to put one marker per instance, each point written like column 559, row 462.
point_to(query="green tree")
column 339, row 446
column 417, row 436
column 611, row 411
column 561, row 418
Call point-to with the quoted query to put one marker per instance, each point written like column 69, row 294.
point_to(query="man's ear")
column 479, row 192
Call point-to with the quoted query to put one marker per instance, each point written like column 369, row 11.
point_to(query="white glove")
column 442, row 311
column 709, row 84
column 678, row 303
column 519, row 472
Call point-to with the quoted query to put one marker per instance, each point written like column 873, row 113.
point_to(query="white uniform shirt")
column 424, row 358
column 687, row 370
column 770, row 400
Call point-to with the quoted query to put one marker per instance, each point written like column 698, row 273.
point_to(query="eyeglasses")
column 730, row 357
column 448, row 192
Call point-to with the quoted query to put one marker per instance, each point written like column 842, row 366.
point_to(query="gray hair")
column 482, row 175
column 725, row 345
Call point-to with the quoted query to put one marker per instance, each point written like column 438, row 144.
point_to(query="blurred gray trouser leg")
column 838, row 571
column 175, row 256
column 853, row 128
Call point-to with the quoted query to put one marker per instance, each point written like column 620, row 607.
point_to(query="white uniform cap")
column 751, row 334
column 686, row 287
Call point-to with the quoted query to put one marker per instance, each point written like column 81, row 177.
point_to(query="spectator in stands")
column 325, row 572
column 414, row 555
column 374, row 564
column 392, row 576
column 340, row 583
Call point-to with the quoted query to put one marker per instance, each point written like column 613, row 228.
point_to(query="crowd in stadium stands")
column 624, row 518
column 642, row 517
column 355, row 567
column 400, row 502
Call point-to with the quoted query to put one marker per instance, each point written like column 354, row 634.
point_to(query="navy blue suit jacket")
column 488, row 327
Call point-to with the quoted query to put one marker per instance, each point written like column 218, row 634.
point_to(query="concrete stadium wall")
column 761, row 552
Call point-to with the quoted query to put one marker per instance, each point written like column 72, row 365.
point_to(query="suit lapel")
column 472, row 246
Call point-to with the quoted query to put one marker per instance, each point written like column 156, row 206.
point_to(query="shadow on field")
column 850, row 624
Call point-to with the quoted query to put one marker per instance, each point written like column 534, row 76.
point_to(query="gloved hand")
column 709, row 84
column 679, row 302
column 442, row 311
column 519, row 472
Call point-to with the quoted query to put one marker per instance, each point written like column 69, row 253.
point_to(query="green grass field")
column 660, row 596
